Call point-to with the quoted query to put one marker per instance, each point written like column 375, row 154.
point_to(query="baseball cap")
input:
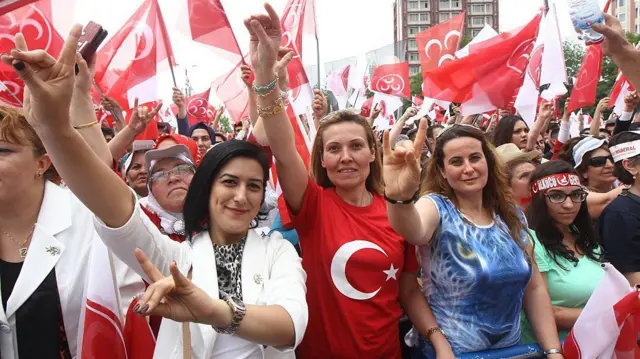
column 180, row 152
column 585, row 145
column 509, row 152
column 137, row 146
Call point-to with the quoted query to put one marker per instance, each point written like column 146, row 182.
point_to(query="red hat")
column 181, row 140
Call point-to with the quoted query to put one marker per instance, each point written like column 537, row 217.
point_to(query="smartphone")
column 90, row 39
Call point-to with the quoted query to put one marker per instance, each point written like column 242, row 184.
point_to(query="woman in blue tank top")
column 475, row 252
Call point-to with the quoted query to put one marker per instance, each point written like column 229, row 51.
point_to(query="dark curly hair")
column 548, row 234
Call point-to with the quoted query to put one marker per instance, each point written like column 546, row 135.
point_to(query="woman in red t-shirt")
column 359, row 270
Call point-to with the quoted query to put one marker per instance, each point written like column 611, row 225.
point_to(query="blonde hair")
column 15, row 129
column 374, row 183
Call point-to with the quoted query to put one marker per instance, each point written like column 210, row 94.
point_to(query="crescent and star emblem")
column 339, row 265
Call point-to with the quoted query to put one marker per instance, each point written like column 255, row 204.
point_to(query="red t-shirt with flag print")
column 353, row 259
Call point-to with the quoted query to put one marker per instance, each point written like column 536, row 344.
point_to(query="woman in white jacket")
column 260, row 279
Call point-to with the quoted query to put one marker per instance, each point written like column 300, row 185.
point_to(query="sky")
column 346, row 28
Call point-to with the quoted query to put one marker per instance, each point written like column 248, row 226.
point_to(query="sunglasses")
column 557, row 197
column 600, row 161
column 178, row 171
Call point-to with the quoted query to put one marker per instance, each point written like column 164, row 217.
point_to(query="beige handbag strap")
column 186, row 337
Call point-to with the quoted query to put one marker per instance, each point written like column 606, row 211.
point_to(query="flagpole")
column 315, row 22
column 167, row 45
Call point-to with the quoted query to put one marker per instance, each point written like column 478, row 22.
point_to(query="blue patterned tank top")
column 474, row 278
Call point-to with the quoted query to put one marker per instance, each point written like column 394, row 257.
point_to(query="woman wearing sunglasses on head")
column 592, row 161
column 566, row 251
column 255, row 291
column 619, row 224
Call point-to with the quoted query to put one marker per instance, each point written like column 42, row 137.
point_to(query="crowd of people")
column 479, row 237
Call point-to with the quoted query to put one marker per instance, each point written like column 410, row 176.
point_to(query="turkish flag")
column 138, row 335
column 366, row 108
column 131, row 56
column 417, row 100
column 488, row 78
column 584, row 90
column 230, row 89
column 438, row 43
column 12, row 88
column 392, row 79
column 609, row 324
column 209, row 25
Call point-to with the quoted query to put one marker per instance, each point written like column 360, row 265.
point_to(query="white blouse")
column 272, row 274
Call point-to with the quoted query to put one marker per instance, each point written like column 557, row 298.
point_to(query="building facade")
column 414, row 16
column 627, row 12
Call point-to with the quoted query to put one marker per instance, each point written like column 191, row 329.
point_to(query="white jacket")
column 62, row 240
column 272, row 274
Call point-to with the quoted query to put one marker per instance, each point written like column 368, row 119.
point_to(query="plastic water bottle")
column 585, row 13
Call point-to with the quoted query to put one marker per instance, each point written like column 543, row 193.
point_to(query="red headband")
column 555, row 181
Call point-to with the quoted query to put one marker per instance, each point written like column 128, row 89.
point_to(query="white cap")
column 176, row 151
column 140, row 145
column 585, row 145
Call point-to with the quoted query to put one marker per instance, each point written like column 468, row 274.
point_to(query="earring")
column 38, row 175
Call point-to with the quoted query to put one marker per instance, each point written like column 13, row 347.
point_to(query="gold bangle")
column 269, row 111
column 86, row 125
column 433, row 330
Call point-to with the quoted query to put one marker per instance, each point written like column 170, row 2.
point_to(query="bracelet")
column 552, row 351
column 413, row 199
column 265, row 94
column 269, row 111
column 86, row 125
column 433, row 330
column 267, row 88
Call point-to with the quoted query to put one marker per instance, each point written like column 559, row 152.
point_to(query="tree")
column 465, row 40
column 633, row 38
column 224, row 124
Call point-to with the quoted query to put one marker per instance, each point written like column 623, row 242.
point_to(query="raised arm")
column 545, row 114
column 399, row 125
column 417, row 222
column 182, row 118
column 47, row 103
column 114, row 108
column 139, row 121
column 266, row 36
column 594, row 129
column 319, row 107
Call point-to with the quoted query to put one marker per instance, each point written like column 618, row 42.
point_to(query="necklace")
column 23, row 249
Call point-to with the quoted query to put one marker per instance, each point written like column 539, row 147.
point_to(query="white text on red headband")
column 555, row 181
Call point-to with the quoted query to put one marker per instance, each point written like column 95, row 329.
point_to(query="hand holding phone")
column 90, row 39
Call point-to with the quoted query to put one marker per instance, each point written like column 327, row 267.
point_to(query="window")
column 413, row 5
column 488, row 20
column 424, row 4
column 414, row 70
column 455, row 4
column 413, row 30
column 477, row 9
column 620, row 2
column 414, row 57
column 444, row 16
column 413, row 18
column 412, row 43
column 488, row 8
column 445, row 4
column 424, row 18
column 422, row 28
column 475, row 33
column 477, row 21
column 622, row 17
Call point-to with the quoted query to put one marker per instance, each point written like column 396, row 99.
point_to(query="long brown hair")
column 374, row 182
column 495, row 195
column 15, row 129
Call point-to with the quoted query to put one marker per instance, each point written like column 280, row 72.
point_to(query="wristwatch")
column 238, row 310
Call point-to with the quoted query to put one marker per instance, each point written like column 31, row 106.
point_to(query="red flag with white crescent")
column 10, row 5
column 198, row 107
column 392, row 79
column 438, row 43
column 584, row 90
column 209, row 25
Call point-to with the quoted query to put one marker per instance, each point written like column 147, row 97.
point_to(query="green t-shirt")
column 570, row 287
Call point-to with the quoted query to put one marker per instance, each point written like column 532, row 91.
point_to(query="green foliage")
column 466, row 39
column 633, row 38
column 224, row 124
column 416, row 84
column 573, row 55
